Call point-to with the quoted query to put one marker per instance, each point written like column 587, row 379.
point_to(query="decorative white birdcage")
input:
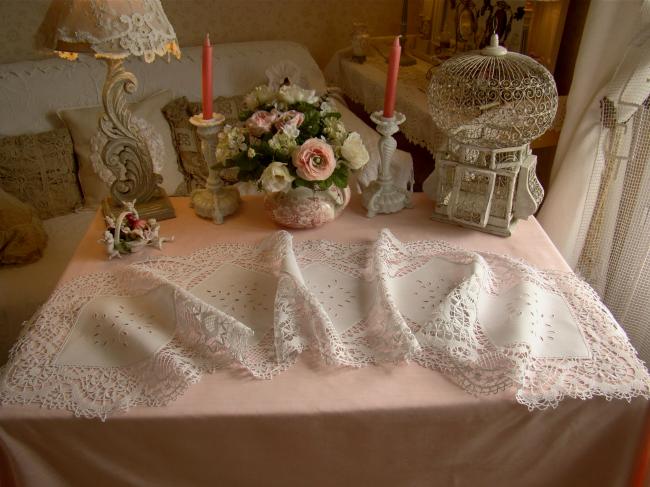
column 490, row 104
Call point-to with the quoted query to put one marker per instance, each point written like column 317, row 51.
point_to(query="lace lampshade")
column 492, row 98
column 490, row 104
column 109, row 28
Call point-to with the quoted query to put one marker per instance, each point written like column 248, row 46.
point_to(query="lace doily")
column 284, row 71
column 140, row 335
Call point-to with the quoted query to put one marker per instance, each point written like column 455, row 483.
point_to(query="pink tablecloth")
column 312, row 426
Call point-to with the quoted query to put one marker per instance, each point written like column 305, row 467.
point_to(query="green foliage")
column 122, row 247
column 332, row 115
column 245, row 115
column 297, row 183
column 269, row 155
column 338, row 178
column 249, row 169
column 311, row 126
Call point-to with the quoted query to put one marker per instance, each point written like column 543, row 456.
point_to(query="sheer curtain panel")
column 598, row 208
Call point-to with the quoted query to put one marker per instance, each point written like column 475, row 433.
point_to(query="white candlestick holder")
column 216, row 200
column 383, row 195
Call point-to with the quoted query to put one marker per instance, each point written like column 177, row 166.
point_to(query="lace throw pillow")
column 22, row 237
column 186, row 140
column 39, row 169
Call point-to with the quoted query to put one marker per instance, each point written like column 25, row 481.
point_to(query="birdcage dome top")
column 492, row 98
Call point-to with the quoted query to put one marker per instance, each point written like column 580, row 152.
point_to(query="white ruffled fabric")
column 140, row 335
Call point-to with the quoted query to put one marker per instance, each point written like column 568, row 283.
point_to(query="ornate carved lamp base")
column 216, row 200
column 158, row 207
column 124, row 152
column 383, row 195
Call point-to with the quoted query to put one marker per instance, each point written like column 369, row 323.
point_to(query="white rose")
column 327, row 107
column 294, row 93
column 291, row 131
column 354, row 152
column 276, row 177
column 265, row 94
column 261, row 95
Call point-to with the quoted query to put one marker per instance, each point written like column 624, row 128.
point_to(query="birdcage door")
column 445, row 175
column 471, row 198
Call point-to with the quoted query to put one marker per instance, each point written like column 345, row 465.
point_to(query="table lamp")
column 112, row 30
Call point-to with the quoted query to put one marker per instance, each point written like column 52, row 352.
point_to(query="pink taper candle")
column 391, row 79
column 207, row 78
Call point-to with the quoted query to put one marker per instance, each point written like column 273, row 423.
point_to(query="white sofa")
column 31, row 93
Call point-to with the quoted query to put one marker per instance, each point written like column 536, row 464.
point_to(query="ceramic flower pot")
column 306, row 208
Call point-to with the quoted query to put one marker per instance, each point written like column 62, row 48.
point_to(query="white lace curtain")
column 602, row 167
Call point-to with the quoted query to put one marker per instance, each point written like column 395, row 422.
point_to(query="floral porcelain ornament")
column 129, row 233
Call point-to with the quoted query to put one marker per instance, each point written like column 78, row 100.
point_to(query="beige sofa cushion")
column 22, row 237
column 83, row 125
column 39, row 169
column 186, row 140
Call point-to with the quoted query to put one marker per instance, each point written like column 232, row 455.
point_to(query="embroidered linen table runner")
column 142, row 334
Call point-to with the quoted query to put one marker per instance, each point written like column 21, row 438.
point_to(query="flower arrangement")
column 290, row 138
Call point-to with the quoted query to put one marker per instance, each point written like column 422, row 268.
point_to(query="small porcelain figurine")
column 360, row 40
column 154, row 237
column 109, row 242
column 129, row 233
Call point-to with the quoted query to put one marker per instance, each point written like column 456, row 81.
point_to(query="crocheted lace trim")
column 488, row 322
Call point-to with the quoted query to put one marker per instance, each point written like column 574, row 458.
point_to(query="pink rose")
column 292, row 117
column 314, row 160
column 260, row 122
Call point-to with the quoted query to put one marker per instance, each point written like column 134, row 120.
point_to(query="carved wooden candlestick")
column 216, row 200
column 383, row 195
